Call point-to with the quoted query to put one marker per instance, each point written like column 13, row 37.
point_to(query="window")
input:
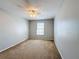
column 40, row 28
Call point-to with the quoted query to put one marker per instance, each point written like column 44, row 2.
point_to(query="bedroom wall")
column 13, row 30
column 49, row 30
column 67, row 30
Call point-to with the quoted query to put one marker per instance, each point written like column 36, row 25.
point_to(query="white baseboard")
column 12, row 45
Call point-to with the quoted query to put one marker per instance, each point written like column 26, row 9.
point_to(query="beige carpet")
column 32, row 49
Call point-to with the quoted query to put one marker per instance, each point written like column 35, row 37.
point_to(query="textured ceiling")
column 47, row 8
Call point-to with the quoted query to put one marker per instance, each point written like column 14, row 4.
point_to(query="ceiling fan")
column 31, row 10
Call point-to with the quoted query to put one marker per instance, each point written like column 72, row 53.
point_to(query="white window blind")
column 40, row 28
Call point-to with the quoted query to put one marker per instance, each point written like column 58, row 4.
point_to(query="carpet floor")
column 32, row 49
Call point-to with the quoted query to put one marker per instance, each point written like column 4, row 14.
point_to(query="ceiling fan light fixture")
column 32, row 11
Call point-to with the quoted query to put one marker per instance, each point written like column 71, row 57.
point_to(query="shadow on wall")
column 48, row 29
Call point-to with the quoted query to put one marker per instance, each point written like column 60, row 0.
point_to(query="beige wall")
column 49, row 30
column 13, row 30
